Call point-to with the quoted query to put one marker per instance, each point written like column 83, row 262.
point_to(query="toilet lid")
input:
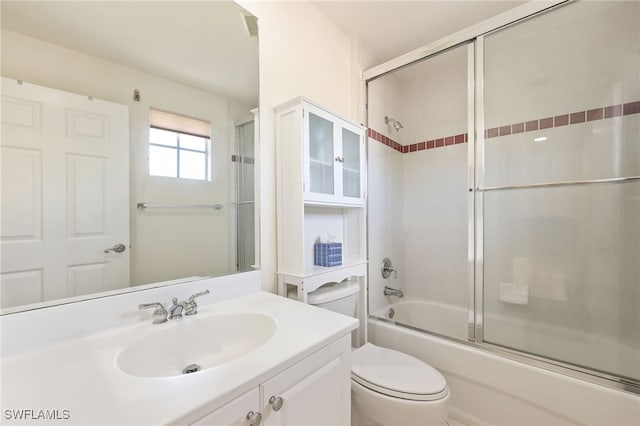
column 396, row 374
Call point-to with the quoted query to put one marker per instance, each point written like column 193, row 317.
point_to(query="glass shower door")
column 420, row 174
column 560, row 206
column 245, row 205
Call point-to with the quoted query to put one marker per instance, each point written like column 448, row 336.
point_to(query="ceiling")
column 388, row 29
column 204, row 44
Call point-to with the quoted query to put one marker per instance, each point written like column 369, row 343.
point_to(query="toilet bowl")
column 388, row 387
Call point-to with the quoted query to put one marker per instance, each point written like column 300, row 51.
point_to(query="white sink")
column 202, row 341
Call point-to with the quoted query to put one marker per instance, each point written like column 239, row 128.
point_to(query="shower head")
column 393, row 122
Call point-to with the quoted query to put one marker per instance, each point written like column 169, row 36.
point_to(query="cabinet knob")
column 276, row 402
column 254, row 418
column 339, row 159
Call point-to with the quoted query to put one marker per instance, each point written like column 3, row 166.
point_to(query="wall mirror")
column 128, row 138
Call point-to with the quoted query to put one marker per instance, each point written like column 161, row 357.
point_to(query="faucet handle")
column 175, row 311
column 191, row 305
column 159, row 314
column 202, row 293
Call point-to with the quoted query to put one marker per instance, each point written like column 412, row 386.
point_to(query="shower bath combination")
column 498, row 247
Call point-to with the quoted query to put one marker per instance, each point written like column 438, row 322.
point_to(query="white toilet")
column 387, row 387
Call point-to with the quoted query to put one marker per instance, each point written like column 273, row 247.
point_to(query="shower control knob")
column 276, row 402
column 254, row 418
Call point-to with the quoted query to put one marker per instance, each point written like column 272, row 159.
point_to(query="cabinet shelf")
column 315, row 270
column 320, row 162
column 333, row 204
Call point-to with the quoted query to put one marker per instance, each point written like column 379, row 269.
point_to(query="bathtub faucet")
column 389, row 291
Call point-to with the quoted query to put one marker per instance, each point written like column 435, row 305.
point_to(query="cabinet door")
column 352, row 162
column 233, row 413
column 315, row 391
column 333, row 159
column 320, row 153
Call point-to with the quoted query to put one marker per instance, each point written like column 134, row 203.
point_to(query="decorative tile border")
column 239, row 159
column 418, row 146
column 384, row 140
column 564, row 119
column 512, row 129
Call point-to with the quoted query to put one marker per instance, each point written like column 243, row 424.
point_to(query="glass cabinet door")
column 321, row 163
column 351, row 173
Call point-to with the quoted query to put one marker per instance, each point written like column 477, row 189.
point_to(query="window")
column 179, row 146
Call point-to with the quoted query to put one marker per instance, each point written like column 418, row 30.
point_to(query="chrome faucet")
column 389, row 291
column 190, row 306
column 175, row 311
column 159, row 315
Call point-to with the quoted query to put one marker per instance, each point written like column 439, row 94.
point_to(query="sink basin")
column 194, row 344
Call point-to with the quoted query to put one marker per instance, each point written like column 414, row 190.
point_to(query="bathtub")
column 589, row 350
column 488, row 389
column 438, row 318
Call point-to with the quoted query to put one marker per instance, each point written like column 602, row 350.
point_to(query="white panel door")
column 65, row 194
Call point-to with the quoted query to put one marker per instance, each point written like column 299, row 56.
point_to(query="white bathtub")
column 599, row 352
column 439, row 318
column 488, row 389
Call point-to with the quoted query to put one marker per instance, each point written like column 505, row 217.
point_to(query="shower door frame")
column 473, row 37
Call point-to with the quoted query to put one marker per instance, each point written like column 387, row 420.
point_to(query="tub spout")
column 389, row 291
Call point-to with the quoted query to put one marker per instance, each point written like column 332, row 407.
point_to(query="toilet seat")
column 396, row 374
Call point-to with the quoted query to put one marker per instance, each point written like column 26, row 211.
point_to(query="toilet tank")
column 337, row 297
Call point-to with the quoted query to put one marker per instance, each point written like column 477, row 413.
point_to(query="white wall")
column 301, row 53
column 434, row 97
column 158, row 241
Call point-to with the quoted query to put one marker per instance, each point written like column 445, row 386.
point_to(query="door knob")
column 118, row 248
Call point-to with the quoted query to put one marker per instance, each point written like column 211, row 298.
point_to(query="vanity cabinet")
column 314, row 391
column 234, row 413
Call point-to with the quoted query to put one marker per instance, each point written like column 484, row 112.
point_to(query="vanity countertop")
column 80, row 379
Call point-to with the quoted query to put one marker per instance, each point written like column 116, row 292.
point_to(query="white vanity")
column 275, row 361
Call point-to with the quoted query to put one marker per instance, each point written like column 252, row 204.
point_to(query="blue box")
column 328, row 254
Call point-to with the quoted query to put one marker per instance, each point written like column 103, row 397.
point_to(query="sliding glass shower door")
column 419, row 199
column 509, row 197
column 559, row 189
column 245, row 195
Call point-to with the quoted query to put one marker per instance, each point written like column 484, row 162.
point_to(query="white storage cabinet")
column 320, row 178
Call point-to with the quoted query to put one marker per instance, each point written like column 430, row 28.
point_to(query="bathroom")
column 486, row 387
